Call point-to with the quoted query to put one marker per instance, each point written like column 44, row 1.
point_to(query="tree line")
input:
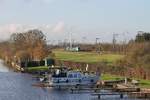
column 137, row 59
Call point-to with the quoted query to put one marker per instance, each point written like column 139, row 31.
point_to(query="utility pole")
column 83, row 40
column 65, row 43
column 70, row 41
column 114, row 41
column 124, row 43
column 97, row 46
column 97, row 40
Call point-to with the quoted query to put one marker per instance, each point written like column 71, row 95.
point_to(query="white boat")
column 64, row 77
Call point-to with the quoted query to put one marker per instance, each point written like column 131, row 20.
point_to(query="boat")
column 65, row 77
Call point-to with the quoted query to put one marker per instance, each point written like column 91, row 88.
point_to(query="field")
column 88, row 57
column 142, row 83
column 110, row 77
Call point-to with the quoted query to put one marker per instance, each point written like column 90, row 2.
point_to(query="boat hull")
column 74, row 82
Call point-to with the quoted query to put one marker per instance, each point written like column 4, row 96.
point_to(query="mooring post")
column 71, row 90
column 99, row 96
column 145, row 95
column 121, row 95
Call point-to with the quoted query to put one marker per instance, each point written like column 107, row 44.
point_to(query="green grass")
column 142, row 83
column 88, row 57
column 110, row 77
column 39, row 68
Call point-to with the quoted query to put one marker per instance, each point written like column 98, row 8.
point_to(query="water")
column 3, row 68
column 18, row 86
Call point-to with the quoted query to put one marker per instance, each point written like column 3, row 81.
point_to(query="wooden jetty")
column 97, row 91
column 112, row 83
column 126, row 88
column 84, row 90
column 106, row 93
column 41, row 85
column 144, row 95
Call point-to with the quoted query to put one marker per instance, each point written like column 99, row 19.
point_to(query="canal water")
column 18, row 86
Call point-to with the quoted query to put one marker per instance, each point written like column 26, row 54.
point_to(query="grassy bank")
column 110, row 77
column 34, row 69
column 142, row 83
column 88, row 57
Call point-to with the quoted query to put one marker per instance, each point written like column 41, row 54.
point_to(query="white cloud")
column 8, row 29
column 59, row 27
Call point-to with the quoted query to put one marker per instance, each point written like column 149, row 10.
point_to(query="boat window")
column 75, row 75
column 62, row 74
column 79, row 75
column 70, row 76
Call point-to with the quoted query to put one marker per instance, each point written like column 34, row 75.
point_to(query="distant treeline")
column 136, row 62
column 104, row 48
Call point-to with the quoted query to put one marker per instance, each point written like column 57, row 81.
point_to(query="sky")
column 84, row 20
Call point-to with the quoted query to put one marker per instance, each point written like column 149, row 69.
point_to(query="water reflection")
column 3, row 68
column 18, row 86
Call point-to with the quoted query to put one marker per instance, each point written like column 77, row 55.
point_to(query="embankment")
column 103, row 67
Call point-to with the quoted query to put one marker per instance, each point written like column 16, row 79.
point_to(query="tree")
column 39, row 52
column 31, row 43
column 143, row 37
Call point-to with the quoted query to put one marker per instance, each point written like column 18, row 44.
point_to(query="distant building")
column 74, row 49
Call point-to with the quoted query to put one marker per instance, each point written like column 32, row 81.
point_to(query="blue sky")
column 82, row 18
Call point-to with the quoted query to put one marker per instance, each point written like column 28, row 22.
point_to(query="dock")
column 84, row 90
column 106, row 93
column 100, row 91
column 41, row 85
column 142, row 94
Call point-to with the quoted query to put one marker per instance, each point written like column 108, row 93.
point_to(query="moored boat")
column 64, row 77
